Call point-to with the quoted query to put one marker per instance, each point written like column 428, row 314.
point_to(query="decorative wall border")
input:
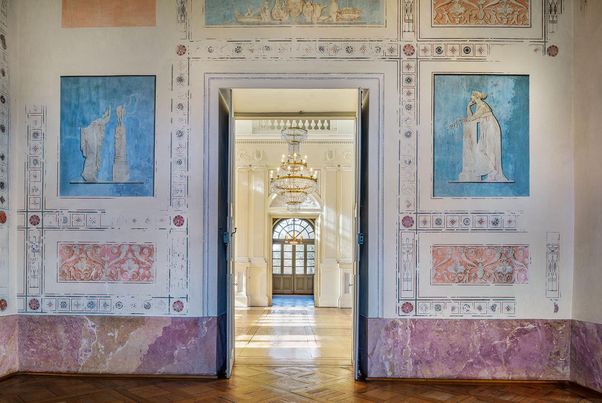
column 180, row 135
column 407, row 273
column 553, row 268
column 31, row 218
column 4, row 111
column 258, row 49
column 5, row 215
column 182, row 18
column 468, row 221
column 459, row 307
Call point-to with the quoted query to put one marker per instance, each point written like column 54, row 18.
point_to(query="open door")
column 360, row 268
column 226, row 235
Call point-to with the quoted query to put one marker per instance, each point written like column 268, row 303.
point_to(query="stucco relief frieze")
column 515, row 13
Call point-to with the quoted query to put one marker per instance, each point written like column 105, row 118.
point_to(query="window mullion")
column 281, row 258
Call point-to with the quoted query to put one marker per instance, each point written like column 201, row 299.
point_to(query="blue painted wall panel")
column 85, row 99
column 508, row 97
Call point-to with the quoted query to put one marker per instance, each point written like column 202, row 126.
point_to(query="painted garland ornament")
column 407, row 221
column 178, row 220
column 34, row 304
column 178, row 306
column 3, row 304
column 181, row 50
column 3, row 217
column 407, row 307
column 553, row 50
column 34, row 220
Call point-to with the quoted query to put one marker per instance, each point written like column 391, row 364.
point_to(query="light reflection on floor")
column 292, row 331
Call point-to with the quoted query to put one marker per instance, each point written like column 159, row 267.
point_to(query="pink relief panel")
column 480, row 265
column 108, row 13
column 503, row 13
column 106, row 262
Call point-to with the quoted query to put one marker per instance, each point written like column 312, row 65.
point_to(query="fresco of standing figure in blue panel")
column 294, row 12
column 107, row 142
column 481, row 135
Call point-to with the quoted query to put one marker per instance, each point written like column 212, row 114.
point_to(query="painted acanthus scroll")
column 476, row 264
column 505, row 13
column 108, row 262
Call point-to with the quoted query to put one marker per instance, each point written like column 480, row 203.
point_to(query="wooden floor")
column 277, row 384
column 293, row 331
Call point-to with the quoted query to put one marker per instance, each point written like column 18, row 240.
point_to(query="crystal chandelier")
column 293, row 181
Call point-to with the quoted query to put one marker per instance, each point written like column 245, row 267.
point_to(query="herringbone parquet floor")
column 278, row 384
column 293, row 332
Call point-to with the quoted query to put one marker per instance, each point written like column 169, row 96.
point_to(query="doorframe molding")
column 375, row 82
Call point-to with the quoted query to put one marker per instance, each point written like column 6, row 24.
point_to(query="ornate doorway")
column 293, row 256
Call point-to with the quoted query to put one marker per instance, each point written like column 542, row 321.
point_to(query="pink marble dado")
column 118, row 345
column 586, row 354
column 469, row 349
column 9, row 353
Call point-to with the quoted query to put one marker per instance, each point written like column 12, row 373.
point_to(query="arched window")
column 293, row 256
column 291, row 227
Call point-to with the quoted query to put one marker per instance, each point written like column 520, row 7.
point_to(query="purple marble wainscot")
column 117, row 345
column 586, row 354
column 9, row 352
column 469, row 349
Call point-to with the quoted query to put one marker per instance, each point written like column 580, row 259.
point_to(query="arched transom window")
column 289, row 228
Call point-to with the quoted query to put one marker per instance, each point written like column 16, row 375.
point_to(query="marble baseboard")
column 404, row 348
column 9, row 352
column 117, row 345
column 362, row 356
column 469, row 349
column 586, row 354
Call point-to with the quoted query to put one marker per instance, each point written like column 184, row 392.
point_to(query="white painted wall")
column 255, row 210
column 44, row 52
column 587, row 92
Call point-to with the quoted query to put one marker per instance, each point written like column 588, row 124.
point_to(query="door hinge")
column 360, row 238
column 228, row 236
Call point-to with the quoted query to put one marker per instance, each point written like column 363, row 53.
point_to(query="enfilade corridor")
column 300, row 201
